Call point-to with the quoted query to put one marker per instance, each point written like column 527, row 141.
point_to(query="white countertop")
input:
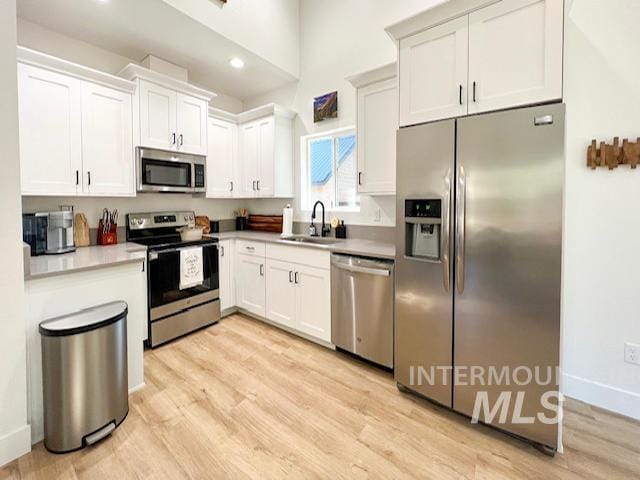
column 351, row 246
column 85, row 258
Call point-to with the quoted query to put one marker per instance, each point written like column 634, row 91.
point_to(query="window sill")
column 308, row 211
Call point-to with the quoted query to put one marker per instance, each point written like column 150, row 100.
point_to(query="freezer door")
column 510, row 174
column 424, row 327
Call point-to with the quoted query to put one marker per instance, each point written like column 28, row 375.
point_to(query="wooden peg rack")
column 611, row 156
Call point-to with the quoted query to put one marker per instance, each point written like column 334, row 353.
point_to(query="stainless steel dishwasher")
column 362, row 299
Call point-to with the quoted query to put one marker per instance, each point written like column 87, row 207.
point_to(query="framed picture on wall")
column 325, row 106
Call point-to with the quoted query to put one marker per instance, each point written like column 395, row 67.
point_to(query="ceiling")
column 136, row 28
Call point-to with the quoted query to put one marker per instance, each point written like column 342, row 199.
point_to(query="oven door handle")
column 154, row 255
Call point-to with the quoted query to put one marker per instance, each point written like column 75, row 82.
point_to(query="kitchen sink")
column 309, row 239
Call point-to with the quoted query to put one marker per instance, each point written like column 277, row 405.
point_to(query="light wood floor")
column 245, row 400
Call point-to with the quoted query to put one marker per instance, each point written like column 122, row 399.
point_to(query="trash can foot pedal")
column 100, row 434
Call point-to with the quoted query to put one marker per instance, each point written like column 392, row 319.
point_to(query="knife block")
column 108, row 238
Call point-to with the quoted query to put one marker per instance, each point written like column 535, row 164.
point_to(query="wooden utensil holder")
column 107, row 238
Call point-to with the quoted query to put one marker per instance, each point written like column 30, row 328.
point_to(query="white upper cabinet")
column 249, row 166
column 503, row 55
column 76, row 133
column 107, row 141
column 265, row 158
column 222, row 158
column 50, row 132
column 170, row 114
column 376, row 126
column 192, row 124
column 158, row 117
column 515, row 54
column 433, row 73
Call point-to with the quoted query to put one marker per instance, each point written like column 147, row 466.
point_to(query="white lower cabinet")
column 313, row 302
column 298, row 296
column 289, row 286
column 226, row 267
column 250, row 283
column 281, row 293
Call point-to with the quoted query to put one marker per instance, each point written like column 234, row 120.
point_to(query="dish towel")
column 191, row 267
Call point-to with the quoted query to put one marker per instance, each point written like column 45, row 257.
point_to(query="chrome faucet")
column 324, row 229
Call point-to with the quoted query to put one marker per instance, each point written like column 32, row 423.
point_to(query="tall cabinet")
column 464, row 57
column 222, row 155
column 76, row 133
column 376, row 125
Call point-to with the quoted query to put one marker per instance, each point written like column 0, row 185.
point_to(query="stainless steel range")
column 176, row 308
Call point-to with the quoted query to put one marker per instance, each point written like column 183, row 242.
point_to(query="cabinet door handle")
column 251, row 249
column 181, row 142
column 221, row 251
column 261, row 270
column 231, row 186
column 474, row 92
column 258, row 185
column 173, row 138
column 89, row 177
column 77, row 177
column 460, row 95
column 295, row 278
column 359, row 178
column 290, row 276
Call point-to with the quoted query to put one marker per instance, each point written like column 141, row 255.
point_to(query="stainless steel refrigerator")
column 478, row 258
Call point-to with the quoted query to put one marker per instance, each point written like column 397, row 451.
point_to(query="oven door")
column 165, row 296
column 160, row 171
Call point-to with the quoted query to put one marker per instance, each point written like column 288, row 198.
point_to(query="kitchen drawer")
column 311, row 257
column 249, row 247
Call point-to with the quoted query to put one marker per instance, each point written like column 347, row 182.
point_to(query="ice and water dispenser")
column 423, row 224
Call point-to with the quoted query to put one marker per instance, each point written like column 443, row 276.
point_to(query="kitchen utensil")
column 81, row 231
column 190, row 234
column 203, row 221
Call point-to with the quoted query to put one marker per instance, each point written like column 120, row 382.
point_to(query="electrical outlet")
column 632, row 353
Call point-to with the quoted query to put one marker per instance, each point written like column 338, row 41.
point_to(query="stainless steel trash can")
column 85, row 381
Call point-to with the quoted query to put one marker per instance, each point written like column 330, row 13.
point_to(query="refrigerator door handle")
column 460, row 228
column 446, row 229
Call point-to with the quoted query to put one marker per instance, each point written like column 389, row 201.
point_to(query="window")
column 329, row 170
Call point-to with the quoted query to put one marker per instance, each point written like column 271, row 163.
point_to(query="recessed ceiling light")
column 236, row 62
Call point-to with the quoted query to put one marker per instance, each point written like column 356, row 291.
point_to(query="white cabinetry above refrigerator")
column 464, row 57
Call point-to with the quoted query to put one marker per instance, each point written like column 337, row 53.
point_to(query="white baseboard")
column 600, row 395
column 15, row 444
column 136, row 388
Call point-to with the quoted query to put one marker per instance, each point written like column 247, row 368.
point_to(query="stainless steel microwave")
column 174, row 172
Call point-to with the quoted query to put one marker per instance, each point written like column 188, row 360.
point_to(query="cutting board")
column 265, row 223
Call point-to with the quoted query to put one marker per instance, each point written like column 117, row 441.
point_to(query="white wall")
column 14, row 431
column 39, row 38
column 268, row 29
column 338, row 38
column 144, row 202
column 602, row 224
